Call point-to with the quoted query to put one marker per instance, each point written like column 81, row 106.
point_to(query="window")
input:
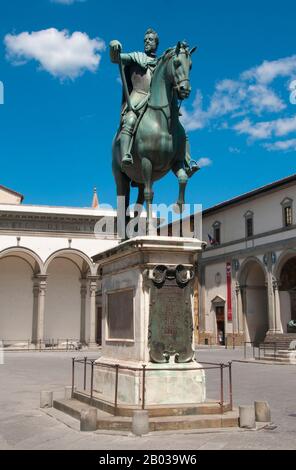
column 217, row 232
column 249, row 221
column 287, row 216
column 287, row 207
column 249, row 227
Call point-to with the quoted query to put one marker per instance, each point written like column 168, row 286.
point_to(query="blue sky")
column 61, row 110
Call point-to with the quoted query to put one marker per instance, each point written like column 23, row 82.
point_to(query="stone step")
column 106, row 421
column 284, row 360
column 281, row 353
column 209, row 407
column 281, row 340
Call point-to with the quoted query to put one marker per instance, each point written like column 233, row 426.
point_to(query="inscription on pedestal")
column 120, row 315
column 171, row 326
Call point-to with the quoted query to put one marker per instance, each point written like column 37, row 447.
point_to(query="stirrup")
column 192, row 168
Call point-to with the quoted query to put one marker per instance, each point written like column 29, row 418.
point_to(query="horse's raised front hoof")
column 192, row 169
column 178, row 208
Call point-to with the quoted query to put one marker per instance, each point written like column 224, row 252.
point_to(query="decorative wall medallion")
column 218, row 278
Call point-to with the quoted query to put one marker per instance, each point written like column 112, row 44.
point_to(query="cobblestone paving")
column 24, row 426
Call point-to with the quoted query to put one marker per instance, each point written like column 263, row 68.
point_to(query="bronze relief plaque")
column 120, row 315
column 170, row 325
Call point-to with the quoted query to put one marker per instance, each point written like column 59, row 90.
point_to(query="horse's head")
column 178, row 72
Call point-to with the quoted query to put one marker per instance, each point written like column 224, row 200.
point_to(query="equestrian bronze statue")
column 150, row 140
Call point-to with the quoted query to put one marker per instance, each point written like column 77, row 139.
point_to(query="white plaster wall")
column 256, row 308
column 7, row 197
column 62, row 304
column 16, row 299
column 256, row 314
column 44, row 245
column 285, row 302
column 267, row 211
column 212, row 290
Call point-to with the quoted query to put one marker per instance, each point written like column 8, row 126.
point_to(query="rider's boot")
column 126, row 157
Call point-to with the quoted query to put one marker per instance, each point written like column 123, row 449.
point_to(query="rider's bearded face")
column 150, row 43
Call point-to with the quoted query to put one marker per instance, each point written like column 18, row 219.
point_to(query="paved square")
column 24, row 426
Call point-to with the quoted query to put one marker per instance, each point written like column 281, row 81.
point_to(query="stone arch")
column 283, row 258
column 250, row 259
column 67, row 299
column 82, row 261
column 252, row 280
column 18, row 267
column 29, row 256
column 285, row 273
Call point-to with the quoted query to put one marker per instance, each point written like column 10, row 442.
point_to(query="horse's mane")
column 171, row 50
column 169, row 53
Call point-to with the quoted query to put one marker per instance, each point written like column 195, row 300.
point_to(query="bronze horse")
column 159, row 143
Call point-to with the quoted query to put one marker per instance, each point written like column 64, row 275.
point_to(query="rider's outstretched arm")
column 116, row 55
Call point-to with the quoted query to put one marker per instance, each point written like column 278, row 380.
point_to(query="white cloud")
column 266, row 129
column 270, row 70
column 234, row 150
column 67, row 2
column 263, row 99
column 250, row 94
column 197, row 118
column 281, row 145
column 202, row 162
column 60, row 53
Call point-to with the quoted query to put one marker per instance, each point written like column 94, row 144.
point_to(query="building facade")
column 245, row 288
column 247, row 273
column 49, row 286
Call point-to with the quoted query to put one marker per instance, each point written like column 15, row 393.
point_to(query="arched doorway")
column 254, row 299
column 288, row 292
column 63, row 300
column 17, row 269
column 218, row 305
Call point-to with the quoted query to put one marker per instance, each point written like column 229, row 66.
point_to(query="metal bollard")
column 140, row 422
column 262, row 412
column 46, row 399
column 68, row 392
column 247, row 417
column 88, row 419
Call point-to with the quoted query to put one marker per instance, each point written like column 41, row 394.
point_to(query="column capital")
column 93, row 284
column 39, row 283
column 93, row 279
column 275, row 284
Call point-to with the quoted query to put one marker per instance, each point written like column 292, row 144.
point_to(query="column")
column 39, row 291
column 83, row 293
column 92, row 309
column 201, row 300
column 277, row 307
column 239, row 309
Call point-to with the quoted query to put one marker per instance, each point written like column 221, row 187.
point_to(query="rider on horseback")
column 137, row 73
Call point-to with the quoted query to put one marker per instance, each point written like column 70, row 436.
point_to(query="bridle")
column 176, row 85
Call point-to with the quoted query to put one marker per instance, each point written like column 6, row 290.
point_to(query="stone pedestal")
column 147, row 329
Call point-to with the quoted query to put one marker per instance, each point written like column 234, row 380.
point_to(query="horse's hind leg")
column 139, row 228
column 182, row 179
column 148, row 193
column 123, row 198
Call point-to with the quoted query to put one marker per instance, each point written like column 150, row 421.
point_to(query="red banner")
column 229, row 293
